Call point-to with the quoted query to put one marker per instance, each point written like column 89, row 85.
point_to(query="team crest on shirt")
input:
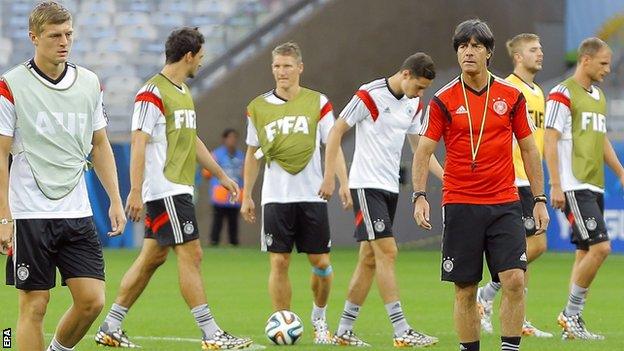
column 379, row 225
column 500, row 107
column 591, row 224
column 188, row 228
column 447, row 264
column 22, row 271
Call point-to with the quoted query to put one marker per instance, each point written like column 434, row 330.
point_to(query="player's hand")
column 117, row 219
column 540, row 213
column 421, row 212
column 345, row 197
column 231, row 187
column 327, row 188
column 134, row 205
column 557, row 198
column 248, row 210
column 6, row 238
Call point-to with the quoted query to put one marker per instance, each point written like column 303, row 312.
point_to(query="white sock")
column 204, row 320
column 56, row 346
column 397, row 318
column 318, row 312
column 349, row 314
column 489, row 290
column 576, row 300
column 114, row 318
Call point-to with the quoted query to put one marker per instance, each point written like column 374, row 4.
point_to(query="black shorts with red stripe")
column 171, row 220
column 374, row 213
column 585, row 212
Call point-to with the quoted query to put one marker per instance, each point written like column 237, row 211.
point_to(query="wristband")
column 417, row 194
column 540, row 198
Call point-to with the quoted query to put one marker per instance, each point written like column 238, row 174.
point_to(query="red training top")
column 492, row 180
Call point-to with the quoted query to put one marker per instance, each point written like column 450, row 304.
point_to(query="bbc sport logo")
column 6, row 338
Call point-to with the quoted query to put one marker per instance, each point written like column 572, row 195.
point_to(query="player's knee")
column 368, row 260
column 388, row 254
column 542, row 247
column 195, row 255
column 465, row 294
column 156, row 260
column 513, row 281
column 34, row 308
column 91, row 306
column 601, row 250
column 280, row 263
column 322, row 271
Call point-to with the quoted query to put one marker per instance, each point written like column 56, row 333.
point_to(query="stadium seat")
column 101, row 6
column 131, row 18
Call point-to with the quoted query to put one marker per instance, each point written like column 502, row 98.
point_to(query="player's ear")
column 188, row 57
column 33, row 38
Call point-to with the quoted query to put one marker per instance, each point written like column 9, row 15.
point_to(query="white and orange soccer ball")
column 284, row 328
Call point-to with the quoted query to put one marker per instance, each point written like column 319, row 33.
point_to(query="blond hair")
column 590, row 47
column 513, row 44
column 47, row 12
column 288, row 49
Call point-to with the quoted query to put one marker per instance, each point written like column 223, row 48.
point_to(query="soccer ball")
column 284, row 328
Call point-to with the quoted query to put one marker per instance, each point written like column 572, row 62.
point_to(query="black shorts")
column 585, row 209
column 472, row 230
column 526, row 200
column 171, row 221
column 304, row 224
column 374, row 213
column 41, row 246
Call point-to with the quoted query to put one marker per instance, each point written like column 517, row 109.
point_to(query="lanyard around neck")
column 475, row 150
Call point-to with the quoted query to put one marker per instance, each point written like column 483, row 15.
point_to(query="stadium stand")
column 122, row 40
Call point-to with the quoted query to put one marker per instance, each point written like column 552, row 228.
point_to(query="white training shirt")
column 382, row 120
column 279, row 185
column 25, row 198
column 148, row 117
column 559, row 117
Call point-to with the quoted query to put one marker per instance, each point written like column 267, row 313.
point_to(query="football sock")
column 576, row 300
column 318, row 312
column 204, row 320
column 469, row 346
column 114, row 318
column 56, row 346
column 349, row 314
column 489, row 290
column 395, row 313
column 510, row 343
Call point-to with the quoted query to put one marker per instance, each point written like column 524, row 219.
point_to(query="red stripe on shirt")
column 369, row 102
column 151, row 97
column 6, row 92
column 559, row 97
column 326, row 109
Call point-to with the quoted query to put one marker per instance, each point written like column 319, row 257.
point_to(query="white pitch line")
column 253, row 347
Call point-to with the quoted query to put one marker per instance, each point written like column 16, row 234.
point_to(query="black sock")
column 510, row 343
column 469, row 346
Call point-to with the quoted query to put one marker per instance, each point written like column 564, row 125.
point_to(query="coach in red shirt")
column 478, row 115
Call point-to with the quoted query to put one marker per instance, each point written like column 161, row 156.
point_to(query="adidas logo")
column 523, row 257
column 462, row 348
column 387, row 110
column 461, row 109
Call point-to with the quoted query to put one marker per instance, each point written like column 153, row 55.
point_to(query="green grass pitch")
column 236, row 280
